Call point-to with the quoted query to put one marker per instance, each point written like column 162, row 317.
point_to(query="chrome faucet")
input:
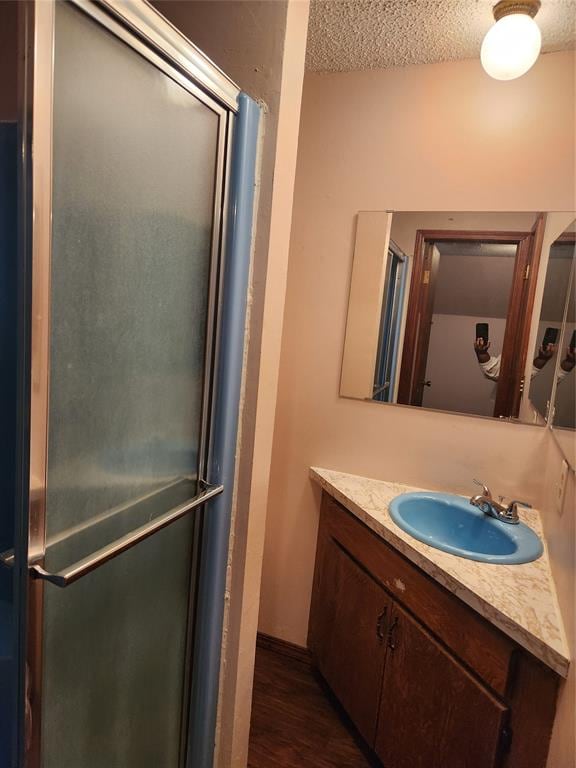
column 487, row 504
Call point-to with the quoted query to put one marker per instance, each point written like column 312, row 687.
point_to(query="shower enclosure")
column 135, row 178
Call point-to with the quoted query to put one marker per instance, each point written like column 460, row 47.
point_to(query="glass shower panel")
column 134, row 184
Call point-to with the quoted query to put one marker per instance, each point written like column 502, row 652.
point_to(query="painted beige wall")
column 560, row 529
column 565, row 439
column 261, row 45
column 258, row 423
column 432, row 137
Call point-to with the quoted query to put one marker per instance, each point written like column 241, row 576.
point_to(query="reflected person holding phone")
column 490, row 364
column 568, row 363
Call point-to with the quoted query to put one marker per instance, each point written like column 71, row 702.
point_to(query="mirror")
column 565, row 391
column 441, row 310
column 548, row 343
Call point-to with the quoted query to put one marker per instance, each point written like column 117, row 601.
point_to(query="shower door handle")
column 88, row 564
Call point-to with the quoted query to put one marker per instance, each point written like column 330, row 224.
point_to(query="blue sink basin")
column 452, row 524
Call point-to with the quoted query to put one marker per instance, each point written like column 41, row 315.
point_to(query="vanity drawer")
column 484, row 649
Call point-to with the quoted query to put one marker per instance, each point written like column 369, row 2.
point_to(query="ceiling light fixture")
column 513, row 44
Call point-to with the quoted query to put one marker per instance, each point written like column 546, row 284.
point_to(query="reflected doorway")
column 467, row 327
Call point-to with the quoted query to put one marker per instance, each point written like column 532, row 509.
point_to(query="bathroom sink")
column 451, row 523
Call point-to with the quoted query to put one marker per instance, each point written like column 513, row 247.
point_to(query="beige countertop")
column 518, row 599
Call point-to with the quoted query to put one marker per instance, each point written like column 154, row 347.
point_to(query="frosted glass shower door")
column 130, row 290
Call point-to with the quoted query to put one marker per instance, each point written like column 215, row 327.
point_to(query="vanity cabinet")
column 433, row 711
column 350, row 638
column 426, row 680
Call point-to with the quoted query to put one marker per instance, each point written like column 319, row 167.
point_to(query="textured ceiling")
column 374, row 34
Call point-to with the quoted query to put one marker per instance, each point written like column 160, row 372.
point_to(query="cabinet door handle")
column 392, row 634
column 380, row 624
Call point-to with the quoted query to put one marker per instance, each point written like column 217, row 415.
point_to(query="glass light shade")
column 511, row 46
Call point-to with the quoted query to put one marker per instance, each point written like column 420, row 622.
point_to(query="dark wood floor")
column 294, row 723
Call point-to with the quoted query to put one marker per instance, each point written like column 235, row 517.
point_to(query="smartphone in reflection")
column 482, row 332
column 550, row 337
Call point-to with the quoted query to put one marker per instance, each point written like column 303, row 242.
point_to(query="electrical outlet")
column 561, row 487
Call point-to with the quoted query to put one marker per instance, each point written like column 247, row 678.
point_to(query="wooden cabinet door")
column 433, row 713
column 348, row 628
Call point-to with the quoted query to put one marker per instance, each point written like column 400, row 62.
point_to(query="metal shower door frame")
column 141, row 27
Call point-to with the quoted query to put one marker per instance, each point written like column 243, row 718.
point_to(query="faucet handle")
column 485, row 489
column 511, row 512
column 515, row 502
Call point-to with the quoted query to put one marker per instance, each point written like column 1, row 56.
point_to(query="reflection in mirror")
column 558, row 273
column 390, row 321
column 565, row 400
column 461, row 333
column 440, row 311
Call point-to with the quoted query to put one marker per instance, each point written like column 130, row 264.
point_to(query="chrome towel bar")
column 93, row 561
